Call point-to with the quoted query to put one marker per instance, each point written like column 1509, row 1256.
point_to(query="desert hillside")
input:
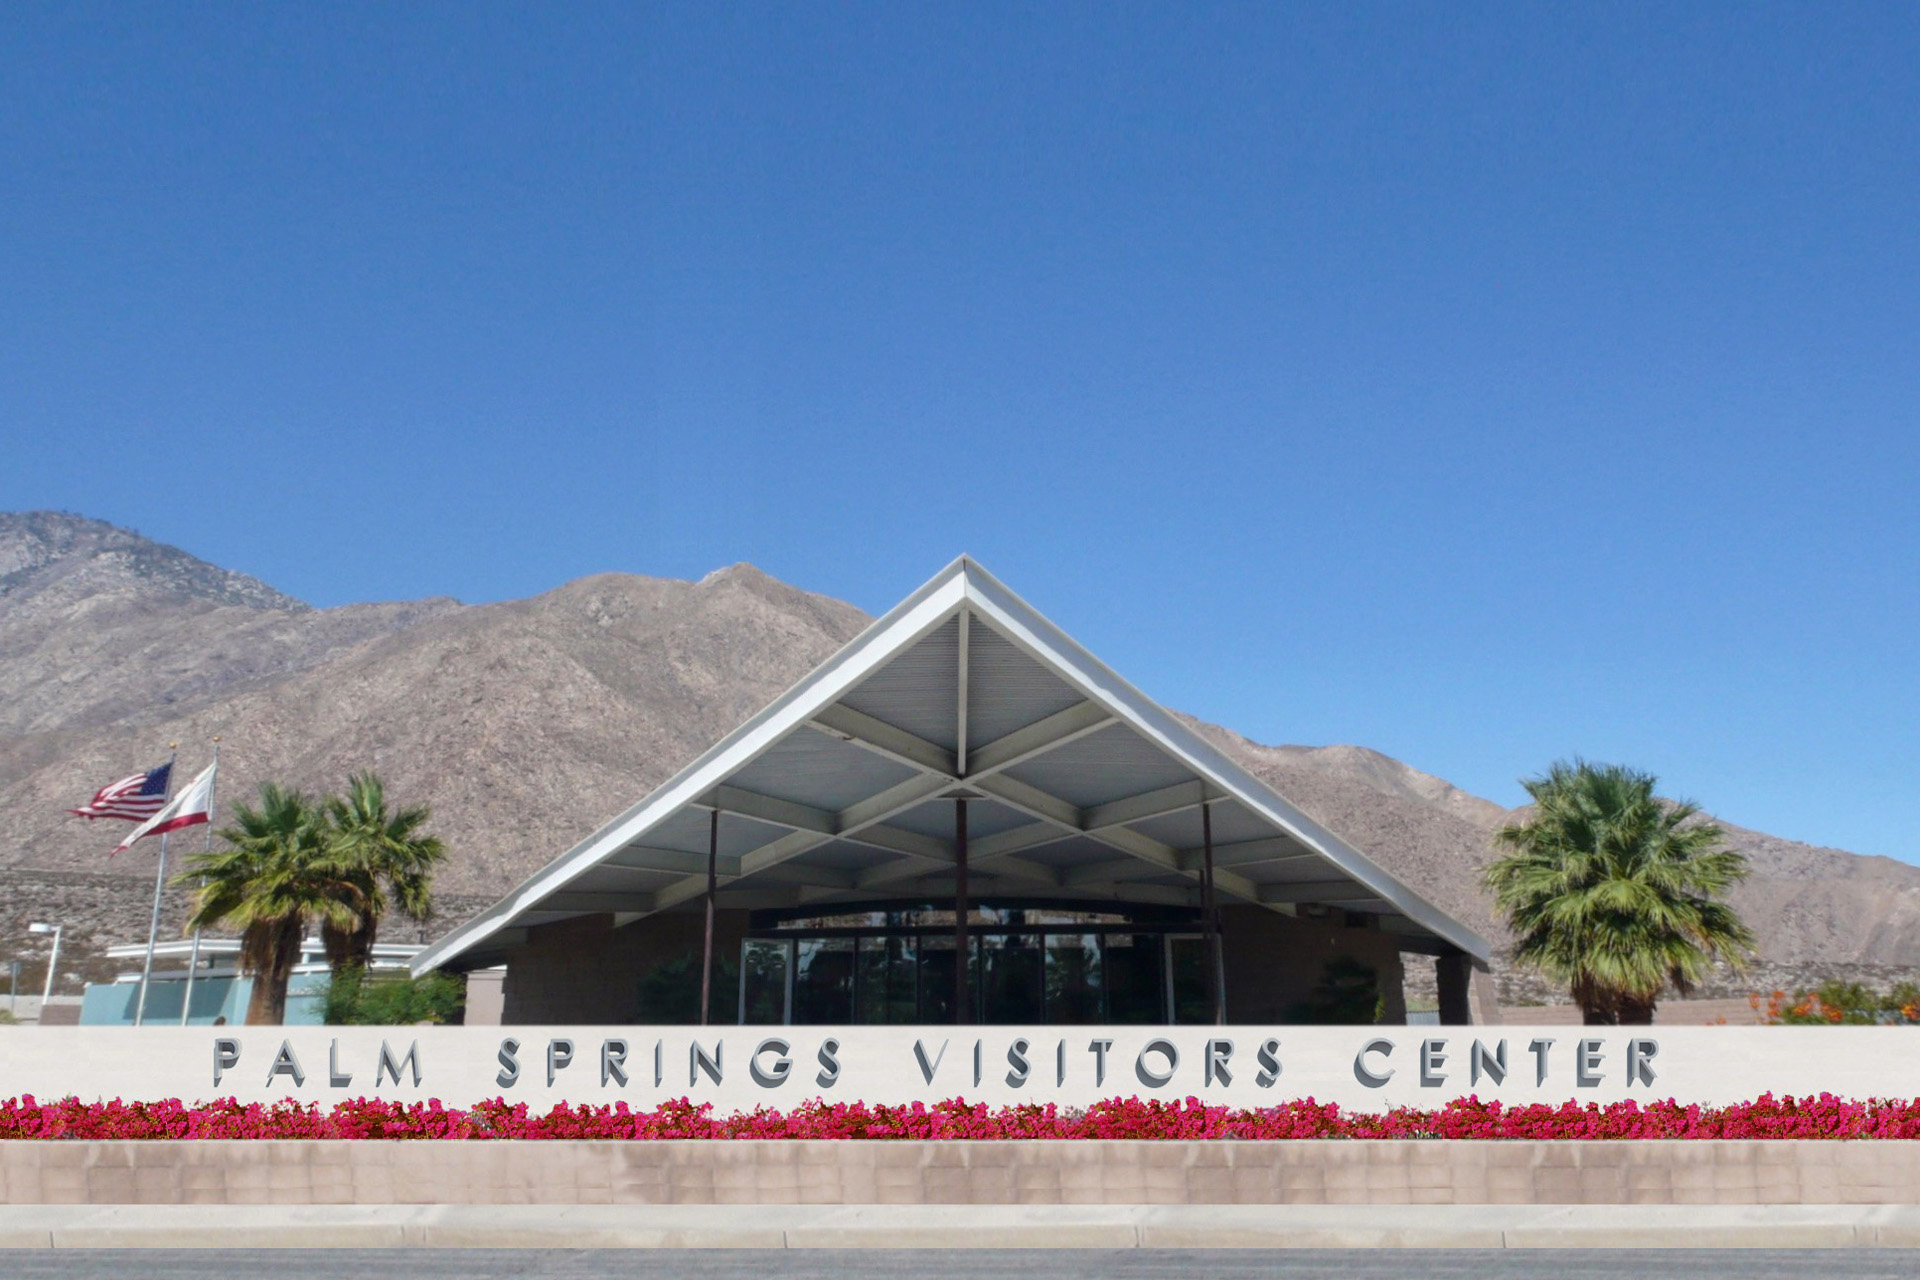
column 526, row 724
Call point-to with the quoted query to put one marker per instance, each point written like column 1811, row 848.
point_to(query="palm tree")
column 1615, row 892
column 382, row 859
column 269, row 882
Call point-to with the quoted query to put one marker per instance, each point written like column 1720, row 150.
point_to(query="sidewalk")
column 961, row 1226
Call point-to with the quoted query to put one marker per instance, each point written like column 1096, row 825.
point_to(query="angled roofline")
column 1035, row 633
column 962, row 584
column 936, row 600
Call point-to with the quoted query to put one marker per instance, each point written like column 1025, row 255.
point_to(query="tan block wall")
column 1734, row 1012
column 584, row 971
column 1009, row 1173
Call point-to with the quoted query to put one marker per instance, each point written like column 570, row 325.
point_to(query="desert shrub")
column 356, row 998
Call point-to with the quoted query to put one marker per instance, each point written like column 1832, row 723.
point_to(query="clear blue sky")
column 1482, row 384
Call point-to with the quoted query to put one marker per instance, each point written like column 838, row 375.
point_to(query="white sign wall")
column 739, row 1068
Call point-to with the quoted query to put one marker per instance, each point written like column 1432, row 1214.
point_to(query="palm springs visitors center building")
column 963, row 780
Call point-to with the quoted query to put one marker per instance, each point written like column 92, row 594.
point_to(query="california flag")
column 193, row 804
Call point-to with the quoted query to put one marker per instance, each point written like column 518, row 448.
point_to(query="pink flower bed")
column 1767, row 1117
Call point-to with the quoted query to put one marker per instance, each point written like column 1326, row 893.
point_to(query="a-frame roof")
column 840, row 792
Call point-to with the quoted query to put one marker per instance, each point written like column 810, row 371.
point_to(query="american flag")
column 136, row 798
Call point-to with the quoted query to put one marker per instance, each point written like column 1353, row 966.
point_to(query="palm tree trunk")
column 339, row 946
column 1597, row 1006
column 1635, row 1012
column 279, row 952
column 360, row 942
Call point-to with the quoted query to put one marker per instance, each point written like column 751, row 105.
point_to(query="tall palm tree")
column 270, row 881
column 383, row 859
column 1616, row 892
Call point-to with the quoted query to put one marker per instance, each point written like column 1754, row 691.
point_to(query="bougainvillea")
column 1824, row 1116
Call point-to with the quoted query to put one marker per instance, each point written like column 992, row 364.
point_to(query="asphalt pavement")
column 973, row 1264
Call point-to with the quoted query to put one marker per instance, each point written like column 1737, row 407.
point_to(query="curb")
column 960, row 1226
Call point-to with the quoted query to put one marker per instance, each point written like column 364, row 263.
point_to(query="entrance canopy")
column 842, row 793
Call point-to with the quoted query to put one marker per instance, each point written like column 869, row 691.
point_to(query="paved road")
column 886, row 1264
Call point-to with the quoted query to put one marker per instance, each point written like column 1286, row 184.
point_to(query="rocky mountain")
column 526, row 724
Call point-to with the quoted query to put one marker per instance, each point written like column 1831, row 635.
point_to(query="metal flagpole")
column 193, row 965
column 159, row 883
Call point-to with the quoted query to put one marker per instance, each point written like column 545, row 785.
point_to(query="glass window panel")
column 1075, row 980
column 763, row 982
column 1012, row 993
column 936, row 977
column 1134, row 966
column 1188, row 961
column 885, row 987
column 823, row 981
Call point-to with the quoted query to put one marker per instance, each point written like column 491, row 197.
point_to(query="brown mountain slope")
column 527, row 724
column 99, row 626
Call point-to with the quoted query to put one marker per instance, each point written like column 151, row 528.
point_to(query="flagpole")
column 159, row 883
column 193, row 965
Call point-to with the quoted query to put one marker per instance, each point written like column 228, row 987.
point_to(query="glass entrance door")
column 1187, row 978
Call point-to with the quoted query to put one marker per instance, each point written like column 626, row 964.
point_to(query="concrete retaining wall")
column 996, row 1173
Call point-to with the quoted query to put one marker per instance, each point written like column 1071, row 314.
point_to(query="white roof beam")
column 1109, row 871
column 1030, row 799
column 860, row 823
column 812, row 828
column 960, row 682
column 802, row 873
column 574, row 900
column 1014, row 840
column 894, row 800
column 1177, row 798
column 1249, row 853
column 770, row 809
column 1327, row 891
column 1038, row 738
column 649, row 861
column 919, row 848
column 938, row 885
column 1016, row 748
column 885, row 740
column 894, row 872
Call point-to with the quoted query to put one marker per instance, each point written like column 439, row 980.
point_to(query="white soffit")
column 835, row 792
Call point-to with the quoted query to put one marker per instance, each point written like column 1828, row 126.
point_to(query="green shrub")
column 1347, row 994
column 359, row 999
column 670, row 992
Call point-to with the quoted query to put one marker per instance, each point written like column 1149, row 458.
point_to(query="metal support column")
column 713, row 886
column 1210, row 908
column 962, row 979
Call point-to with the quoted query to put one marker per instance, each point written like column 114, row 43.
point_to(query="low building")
column 220, row 992
column 963, row 779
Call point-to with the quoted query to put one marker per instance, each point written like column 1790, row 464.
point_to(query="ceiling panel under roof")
column 936, row 818
column 819, row 770
column 919, row 691
column 1007, row 689
column 1109, row 765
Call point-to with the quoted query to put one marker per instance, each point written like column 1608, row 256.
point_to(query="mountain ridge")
column 528, row 723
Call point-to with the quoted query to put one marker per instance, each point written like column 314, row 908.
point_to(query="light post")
column 53, row 961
